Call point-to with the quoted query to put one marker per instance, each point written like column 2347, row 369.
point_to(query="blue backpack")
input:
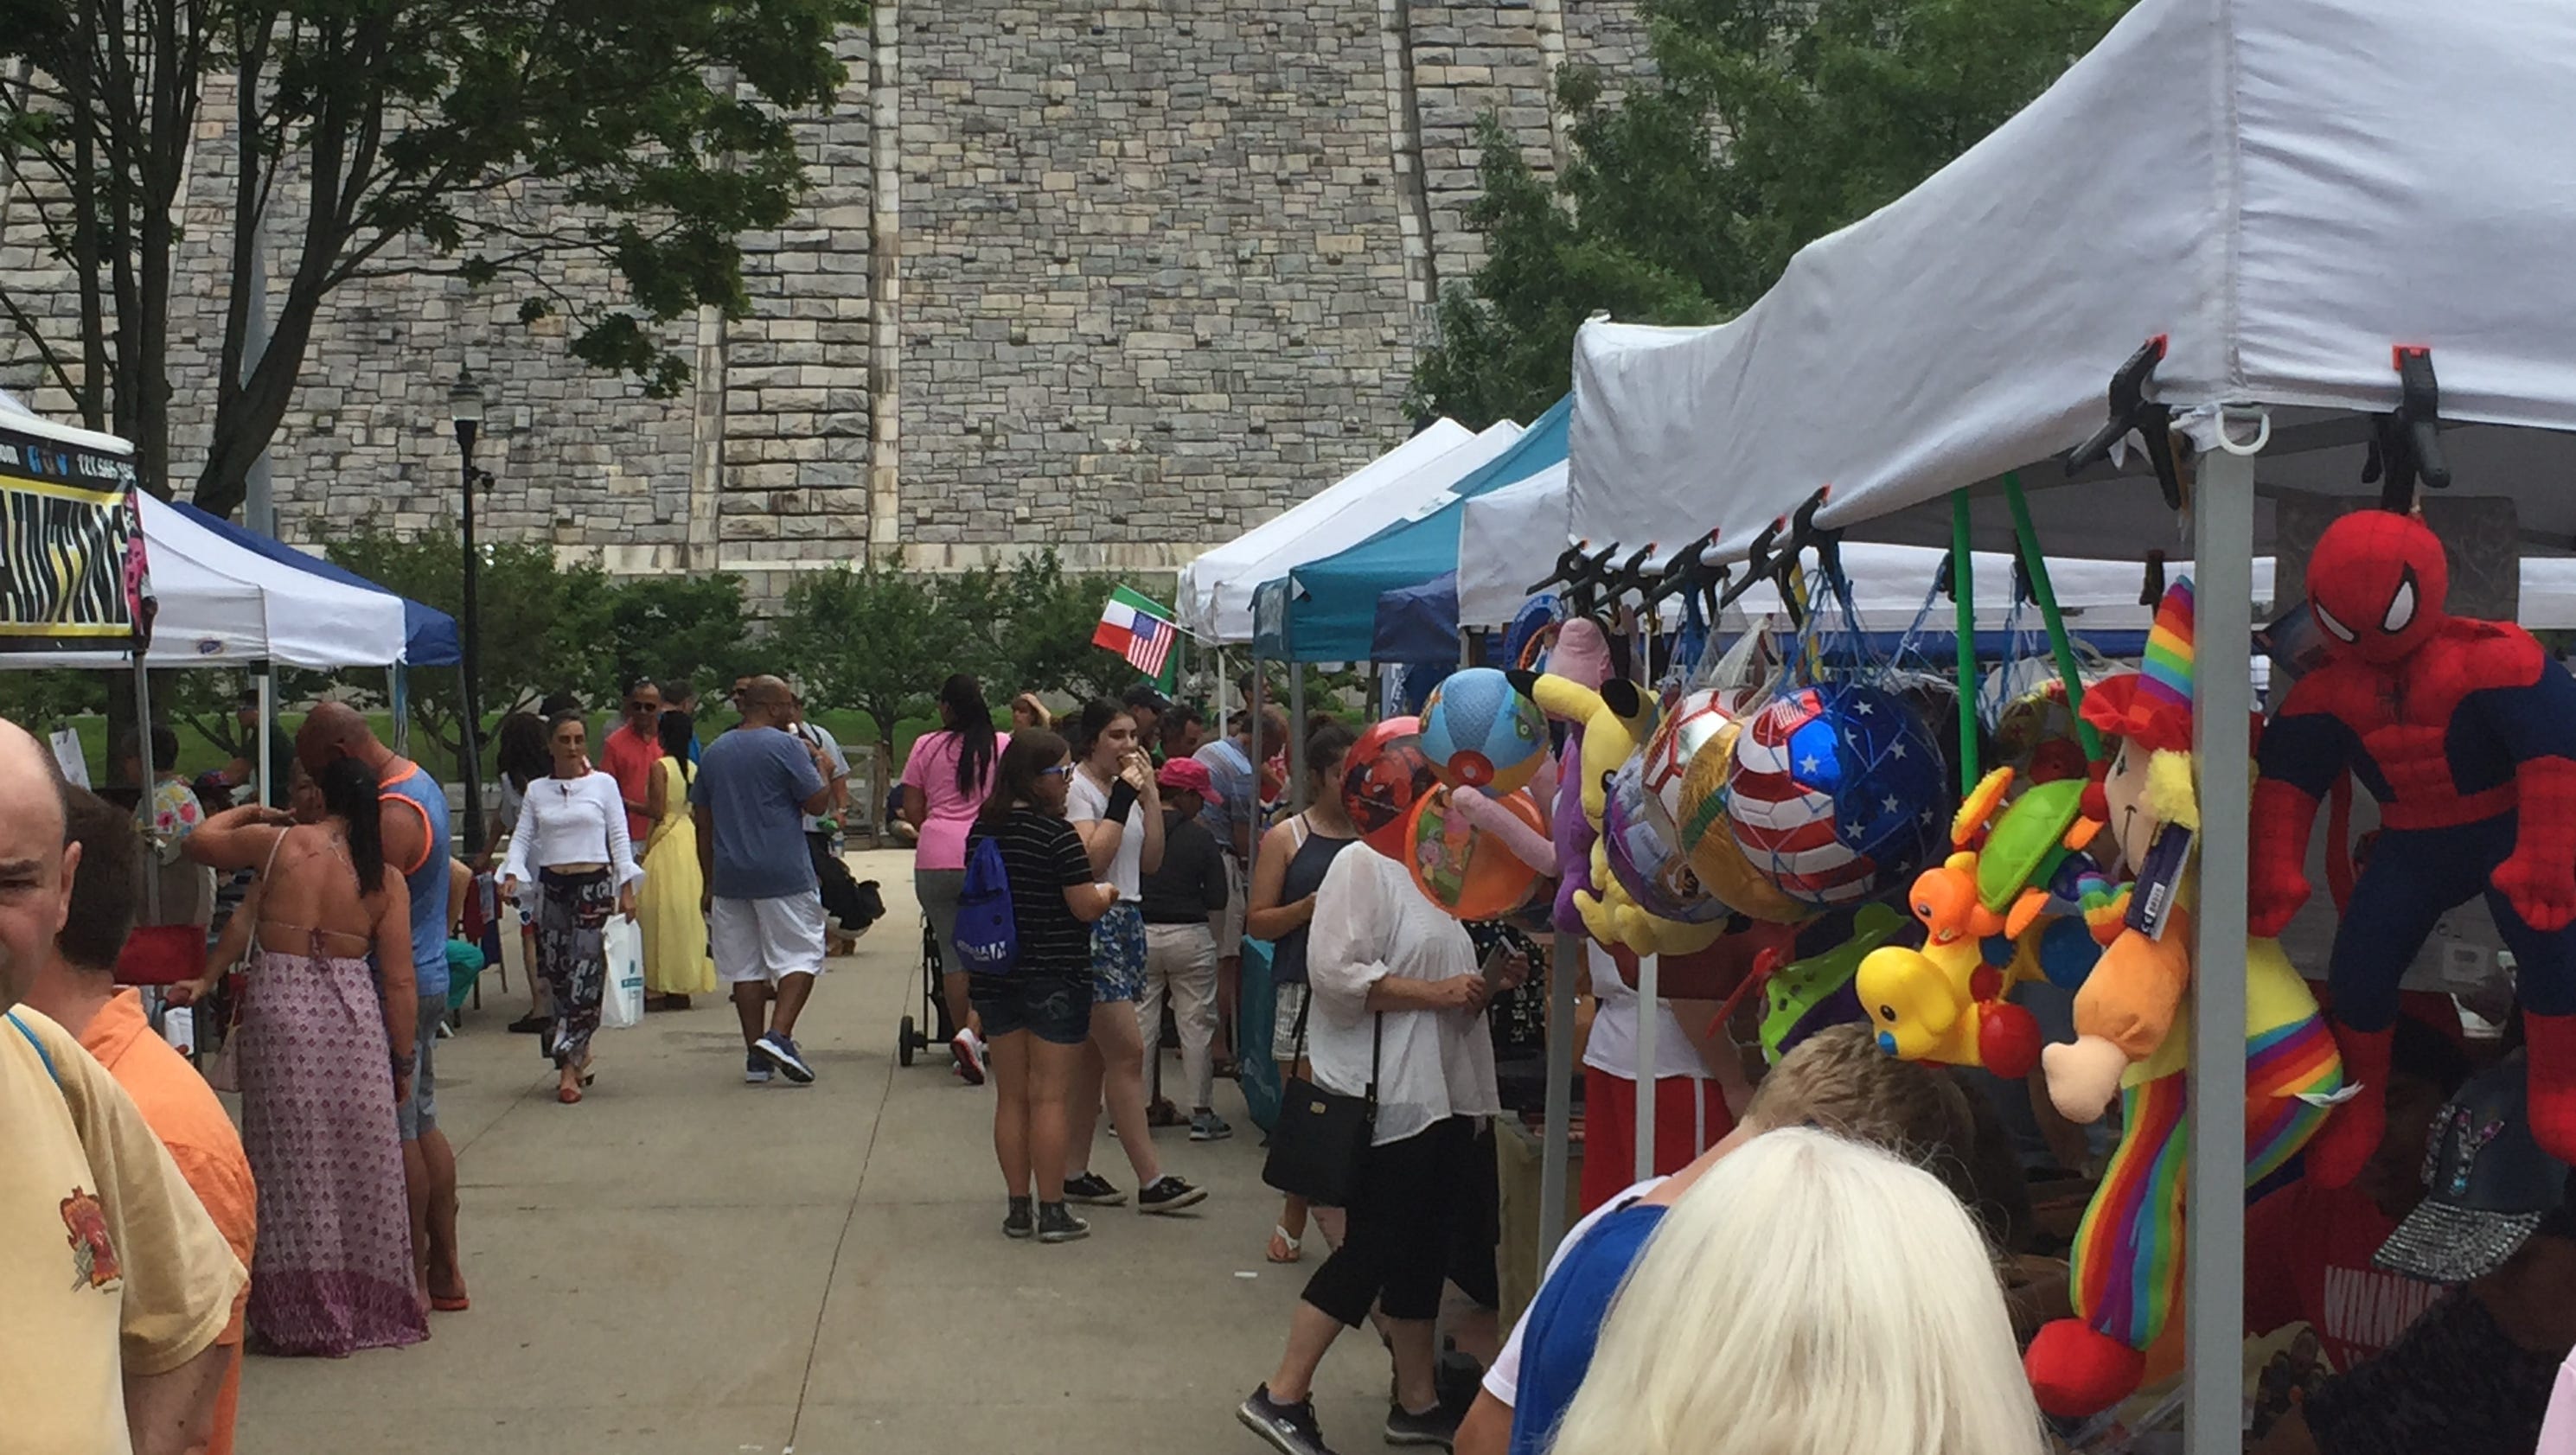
column 988, row 938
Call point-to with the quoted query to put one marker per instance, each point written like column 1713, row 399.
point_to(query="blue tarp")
column 430, row 637
column 1331, row 613
column 1418, row 623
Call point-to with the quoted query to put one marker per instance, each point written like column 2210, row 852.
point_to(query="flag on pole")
column 1136, row 628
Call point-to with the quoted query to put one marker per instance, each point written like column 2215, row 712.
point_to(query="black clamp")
column 1688, row 572
column 1770, row 557
column 2152, row 590
column 2406, row 444
column 2132, row 410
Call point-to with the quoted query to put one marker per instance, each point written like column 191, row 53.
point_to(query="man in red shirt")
column 2308, row 1248
column 630, row 751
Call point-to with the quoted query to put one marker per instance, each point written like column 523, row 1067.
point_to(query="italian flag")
column 1135, row 627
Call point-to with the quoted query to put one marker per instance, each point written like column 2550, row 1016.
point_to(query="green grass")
column 855, row 731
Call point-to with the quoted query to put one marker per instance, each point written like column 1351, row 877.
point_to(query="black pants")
column 1402, row 1218
column 842, row 898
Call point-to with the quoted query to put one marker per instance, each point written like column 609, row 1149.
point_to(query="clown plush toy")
column 2126, row 1268
column 2465, row 731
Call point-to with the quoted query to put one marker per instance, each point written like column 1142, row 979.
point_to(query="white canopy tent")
column 1217, row 588
column 223, row 606
column 2285, row 193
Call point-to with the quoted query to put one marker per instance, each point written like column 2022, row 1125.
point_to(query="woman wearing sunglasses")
column 1037, row 1015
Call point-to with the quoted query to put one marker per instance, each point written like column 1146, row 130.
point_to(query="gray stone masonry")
column 1129, row 280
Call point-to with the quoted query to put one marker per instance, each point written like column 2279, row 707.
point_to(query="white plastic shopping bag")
column 621, row 1002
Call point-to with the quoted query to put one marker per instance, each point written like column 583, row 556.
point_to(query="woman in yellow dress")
column 675, row 928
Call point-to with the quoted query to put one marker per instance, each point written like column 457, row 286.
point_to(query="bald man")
column 764, row 906
column 115, row 1285
column 413, row 809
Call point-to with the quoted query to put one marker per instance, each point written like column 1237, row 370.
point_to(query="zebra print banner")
column 72, row 547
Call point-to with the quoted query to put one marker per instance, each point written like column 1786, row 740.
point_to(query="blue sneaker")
column 755, row 1069
column 782, row 1054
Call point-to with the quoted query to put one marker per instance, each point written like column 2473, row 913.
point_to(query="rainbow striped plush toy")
column 2127, row 1263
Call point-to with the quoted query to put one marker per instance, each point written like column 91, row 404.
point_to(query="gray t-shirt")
column 1231, row 803
column 754, row 783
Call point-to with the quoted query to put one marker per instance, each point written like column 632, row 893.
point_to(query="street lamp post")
column 465, row 410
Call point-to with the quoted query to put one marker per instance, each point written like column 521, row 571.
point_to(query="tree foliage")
column 882, row 640
column 388, row 137
column 676, row 629
column 546, row 627
column 1768, row 124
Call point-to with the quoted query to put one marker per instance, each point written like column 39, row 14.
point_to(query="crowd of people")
column 1838, row 1233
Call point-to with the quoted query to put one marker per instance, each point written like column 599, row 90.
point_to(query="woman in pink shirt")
column 944, row 783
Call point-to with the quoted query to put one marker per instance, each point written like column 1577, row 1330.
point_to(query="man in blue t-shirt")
column 764, row 908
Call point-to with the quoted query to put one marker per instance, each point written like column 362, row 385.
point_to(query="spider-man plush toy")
column 2465, row 731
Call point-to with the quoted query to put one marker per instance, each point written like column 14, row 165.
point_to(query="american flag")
column 1134, row 627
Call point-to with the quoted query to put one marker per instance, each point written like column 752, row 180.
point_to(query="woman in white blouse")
column 571, row 840
column 1396, row 1001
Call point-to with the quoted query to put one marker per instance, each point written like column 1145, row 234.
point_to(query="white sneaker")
column 966, row 1057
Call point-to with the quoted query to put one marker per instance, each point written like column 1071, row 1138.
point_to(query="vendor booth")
column 2289, row 238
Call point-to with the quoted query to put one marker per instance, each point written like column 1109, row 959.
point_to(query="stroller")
column 911, row 1037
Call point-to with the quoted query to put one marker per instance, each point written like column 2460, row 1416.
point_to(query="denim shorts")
column 1055, row 1008
column 1118, row 954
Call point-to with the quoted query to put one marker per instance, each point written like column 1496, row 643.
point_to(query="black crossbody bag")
column 1320, row 1137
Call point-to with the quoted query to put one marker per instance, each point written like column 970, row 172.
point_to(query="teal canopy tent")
column 1326, row 610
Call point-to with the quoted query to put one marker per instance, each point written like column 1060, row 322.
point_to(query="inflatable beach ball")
column 1836, row 794
column 1644, row 858
column 1467, row 871
column 1725, row 875
column 1480, row 732
column 1691, row 726
column 1383, row 775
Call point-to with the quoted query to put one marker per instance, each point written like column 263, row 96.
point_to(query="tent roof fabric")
column 1216, row 587
column 1417, row 623
column 430, row 637
column 220, row 605
column 1332, row 607
column 1388, row 497
column 2284, row 191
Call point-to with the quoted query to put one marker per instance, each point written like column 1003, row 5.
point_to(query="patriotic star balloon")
column 1837, row 794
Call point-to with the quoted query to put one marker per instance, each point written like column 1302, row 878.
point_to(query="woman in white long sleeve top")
column 1396, row 1000
column 571, row 841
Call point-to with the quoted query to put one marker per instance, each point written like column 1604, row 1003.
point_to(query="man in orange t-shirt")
column 629, row 753
column 77, row 989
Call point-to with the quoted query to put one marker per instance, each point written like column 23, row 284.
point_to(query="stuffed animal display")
column 2465, row 732
column 2126, row 1266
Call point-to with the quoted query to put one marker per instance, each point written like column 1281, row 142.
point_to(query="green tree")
column 676, row 629
column 1768, row 124
column 873, row 638
column 545, row 626
column 409, row 138
column 1044, row 631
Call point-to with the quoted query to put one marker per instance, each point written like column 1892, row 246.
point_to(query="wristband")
column 1122, row 800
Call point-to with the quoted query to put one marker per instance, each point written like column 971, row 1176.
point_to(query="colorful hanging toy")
column 1836, row 794
column 1468, row 871
column 1383, row 775
column 1479, row 731
column 2465, row 732
column 2127, row 1266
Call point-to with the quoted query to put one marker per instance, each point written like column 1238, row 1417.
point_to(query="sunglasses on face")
column 1058, row 771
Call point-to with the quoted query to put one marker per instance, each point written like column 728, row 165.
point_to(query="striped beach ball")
column 1836, row 794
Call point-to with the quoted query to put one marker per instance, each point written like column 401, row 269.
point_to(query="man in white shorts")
column 764, row 908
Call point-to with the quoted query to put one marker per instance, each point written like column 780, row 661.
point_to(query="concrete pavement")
column 684, row 1263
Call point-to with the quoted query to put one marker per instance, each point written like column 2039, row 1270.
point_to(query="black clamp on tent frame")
column 2132, row 410
column 2406, row 444
column 1776, row 559
column 1630, row 575
column 2152, row 589
column 1689, row 573
column 1579, row 573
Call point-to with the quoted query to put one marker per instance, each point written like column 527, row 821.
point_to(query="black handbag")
column 1320, row 1136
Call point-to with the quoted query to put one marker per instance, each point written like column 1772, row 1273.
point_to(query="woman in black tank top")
column 1286, row 872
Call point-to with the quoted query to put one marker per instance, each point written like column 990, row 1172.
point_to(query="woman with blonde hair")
column 1810, row 1296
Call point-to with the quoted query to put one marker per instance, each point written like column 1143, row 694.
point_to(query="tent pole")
column 1296, row 736
column 143, row 744
column 2223, row 692
column 265, row 681
column 1557, row 1146
column 1650, row 1007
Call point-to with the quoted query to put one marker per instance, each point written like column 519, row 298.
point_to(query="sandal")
column 1283, row 1247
